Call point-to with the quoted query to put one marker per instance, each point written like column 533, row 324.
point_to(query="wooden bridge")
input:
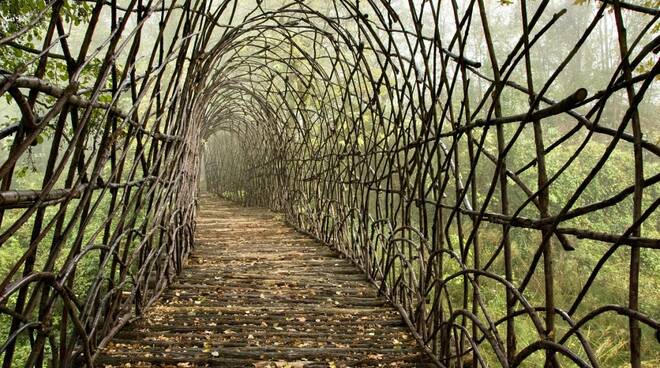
column 257, row 293
column 456, row 184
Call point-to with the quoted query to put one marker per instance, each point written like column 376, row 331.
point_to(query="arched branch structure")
column 414, row 137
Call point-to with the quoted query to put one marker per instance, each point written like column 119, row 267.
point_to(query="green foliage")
column 16, row 15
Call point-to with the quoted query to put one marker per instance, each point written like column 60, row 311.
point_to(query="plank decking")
column 256, row 293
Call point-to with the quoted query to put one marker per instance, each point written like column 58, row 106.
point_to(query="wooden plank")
column 256, row 291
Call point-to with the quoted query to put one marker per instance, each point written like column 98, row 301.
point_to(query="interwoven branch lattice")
column 448, row 148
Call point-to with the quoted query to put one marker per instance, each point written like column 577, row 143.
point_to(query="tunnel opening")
column 491, row 166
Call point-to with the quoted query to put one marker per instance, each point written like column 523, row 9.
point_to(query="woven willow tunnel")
column 492, row 167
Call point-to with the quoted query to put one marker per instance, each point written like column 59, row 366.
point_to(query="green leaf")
column 21, row 172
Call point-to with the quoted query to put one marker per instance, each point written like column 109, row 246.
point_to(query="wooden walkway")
column 256, row 293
